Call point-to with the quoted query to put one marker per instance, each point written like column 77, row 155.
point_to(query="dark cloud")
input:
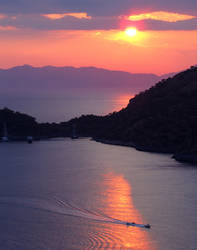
column 181, row 25
column 96, row 7
column 105, row 14
column 67, row 23
column 39, row 22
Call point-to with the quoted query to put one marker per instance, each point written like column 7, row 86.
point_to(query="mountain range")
column 27, row 79
column 60, row 93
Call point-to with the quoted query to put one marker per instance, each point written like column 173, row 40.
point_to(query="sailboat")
column 74, row 135
column 29, row 139
column 5, row 133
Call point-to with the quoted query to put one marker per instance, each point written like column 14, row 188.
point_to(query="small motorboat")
column 138, row 225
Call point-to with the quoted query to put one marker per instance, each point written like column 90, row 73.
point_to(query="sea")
column 80, row 194
column 58, row 106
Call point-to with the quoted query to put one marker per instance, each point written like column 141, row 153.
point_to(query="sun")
column 131, row 31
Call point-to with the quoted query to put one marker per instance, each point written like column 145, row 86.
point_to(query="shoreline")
column 185, row 157
column 180, row 157
column 133, row 145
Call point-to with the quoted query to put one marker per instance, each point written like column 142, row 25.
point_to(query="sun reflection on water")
column 119, row 205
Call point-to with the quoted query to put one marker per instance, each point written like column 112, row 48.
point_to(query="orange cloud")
column 161, row 16
column 2, row 16
column 79, row 15
column 4, row 28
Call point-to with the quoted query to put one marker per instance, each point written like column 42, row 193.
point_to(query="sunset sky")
column 137, row 36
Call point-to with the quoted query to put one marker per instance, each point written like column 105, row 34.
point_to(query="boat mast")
column 74, row 134
column 5, row 132
column 74, row 130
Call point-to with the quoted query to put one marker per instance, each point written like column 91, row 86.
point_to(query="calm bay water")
column 78, row 194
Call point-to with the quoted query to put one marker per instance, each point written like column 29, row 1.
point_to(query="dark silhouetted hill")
column 19, row 125
column 160, row 119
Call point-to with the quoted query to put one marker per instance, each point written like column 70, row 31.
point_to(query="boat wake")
column 65, row 208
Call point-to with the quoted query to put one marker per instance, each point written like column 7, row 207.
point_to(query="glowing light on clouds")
column 130, row 35
column 80, row 15
column 161, row 16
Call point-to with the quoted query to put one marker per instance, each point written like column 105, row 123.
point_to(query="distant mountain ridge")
column 28, row 78
column 59, row 93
